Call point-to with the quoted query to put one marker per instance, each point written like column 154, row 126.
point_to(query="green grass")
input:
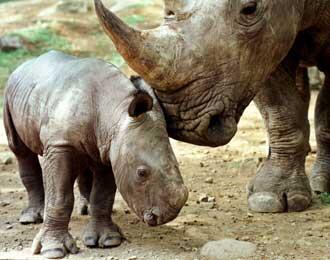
column 325, row 198
column 134, row 20
column 38, row 40
column 6, row 1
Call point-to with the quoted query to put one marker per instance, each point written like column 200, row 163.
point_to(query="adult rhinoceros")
column 210, row 58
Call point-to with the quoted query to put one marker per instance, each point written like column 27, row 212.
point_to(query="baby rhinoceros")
column 85, row 117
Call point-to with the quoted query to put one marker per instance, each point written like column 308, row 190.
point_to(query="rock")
column 10, row 43
column 132, row 258
column 9, row 227
column 203, row 198
column 6, row 159
column 76, row 6
column 209, row 180
column 68, row 6
column 201, row 164
column 228, row 249
column 4, row 204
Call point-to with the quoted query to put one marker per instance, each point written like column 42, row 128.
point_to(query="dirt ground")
column 302, row 235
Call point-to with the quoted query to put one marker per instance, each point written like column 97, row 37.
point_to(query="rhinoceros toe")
column 266, row 202
column 31, row 215
column 54, row 245
column 102, row 235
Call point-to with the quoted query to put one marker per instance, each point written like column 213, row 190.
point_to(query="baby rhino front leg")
column 101, row 231
column 60, row 168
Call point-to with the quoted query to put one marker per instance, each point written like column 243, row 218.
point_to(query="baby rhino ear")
column 141, row 103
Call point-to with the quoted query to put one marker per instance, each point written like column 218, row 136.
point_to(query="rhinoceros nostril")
column 216, row 125
column 150, row 219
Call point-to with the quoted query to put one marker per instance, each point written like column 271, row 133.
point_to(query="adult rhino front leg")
column 320, row 179
column 281, row 183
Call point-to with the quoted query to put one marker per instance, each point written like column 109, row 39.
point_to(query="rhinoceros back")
column 50, row 97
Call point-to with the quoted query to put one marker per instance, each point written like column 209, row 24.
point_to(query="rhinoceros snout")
column 178, row 197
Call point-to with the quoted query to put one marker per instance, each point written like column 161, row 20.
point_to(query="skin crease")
column 88, row 120
column 219, row 55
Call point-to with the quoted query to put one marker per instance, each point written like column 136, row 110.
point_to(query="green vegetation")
column 5, row 1
column 325, row 198
column 134, row 20
column 37, row 40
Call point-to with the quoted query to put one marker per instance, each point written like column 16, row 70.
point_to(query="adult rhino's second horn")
column 144, row 51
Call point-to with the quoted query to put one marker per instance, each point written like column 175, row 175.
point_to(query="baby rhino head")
column 146, row 170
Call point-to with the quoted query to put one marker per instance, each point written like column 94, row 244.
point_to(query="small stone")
column 211, row 199
column 127, row 211
column 8, row 160
column 201, row 164
column 132, row 258
column 209, row 180
column 10, row 43
column 203, row 198
column 309, row 233
column 228, row 249
column 245, row 238
column 214, row 171
column 4, row 204
column 9, row 227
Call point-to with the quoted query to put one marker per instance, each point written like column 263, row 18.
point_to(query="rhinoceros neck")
column 316, row 12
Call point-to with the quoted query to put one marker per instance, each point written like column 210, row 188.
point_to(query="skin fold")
column 90, row 122
column 220, row 55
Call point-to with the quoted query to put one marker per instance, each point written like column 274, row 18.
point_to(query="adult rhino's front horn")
column 147, row 52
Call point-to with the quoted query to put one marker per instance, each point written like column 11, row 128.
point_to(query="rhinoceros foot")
column 53, row 244
column 276, row 189
column 102, row 235
column 320, row 178
column 31, row 215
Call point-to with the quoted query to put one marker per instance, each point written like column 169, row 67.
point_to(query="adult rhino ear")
column 141, row 103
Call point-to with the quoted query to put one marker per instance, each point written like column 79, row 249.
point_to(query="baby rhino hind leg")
column 30, row 173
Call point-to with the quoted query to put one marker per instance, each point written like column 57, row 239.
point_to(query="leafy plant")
column 325, row 198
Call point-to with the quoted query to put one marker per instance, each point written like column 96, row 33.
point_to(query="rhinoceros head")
column 208, row 59
column 145, row 168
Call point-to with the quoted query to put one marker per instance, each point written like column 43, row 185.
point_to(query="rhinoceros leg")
column 60, row 166
column 281, row 183
column 30, row 173
column 31, row 176
column 101, row 231
column 320, row 179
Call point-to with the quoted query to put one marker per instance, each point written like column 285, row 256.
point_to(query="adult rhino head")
column 208, row 59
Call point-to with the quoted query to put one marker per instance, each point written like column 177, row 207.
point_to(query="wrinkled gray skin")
column 87, row 119
column 210, row 58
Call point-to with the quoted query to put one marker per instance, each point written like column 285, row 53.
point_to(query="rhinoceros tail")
column 15, row 143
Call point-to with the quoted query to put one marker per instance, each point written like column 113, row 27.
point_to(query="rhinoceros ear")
column 141, row 103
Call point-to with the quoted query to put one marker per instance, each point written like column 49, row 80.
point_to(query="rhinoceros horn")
column 148, row 52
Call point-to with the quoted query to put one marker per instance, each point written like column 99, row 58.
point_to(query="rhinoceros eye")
column 142, row 173
column 249, row 8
